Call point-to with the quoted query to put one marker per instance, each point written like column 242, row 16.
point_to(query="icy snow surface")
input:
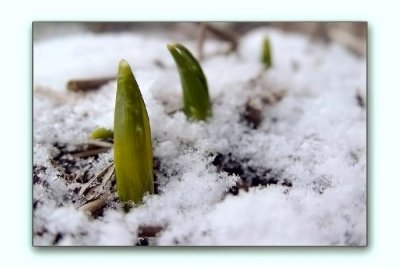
column 312, row 134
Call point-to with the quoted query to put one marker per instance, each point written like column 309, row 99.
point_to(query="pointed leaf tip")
column 123, row 67
column 196, row 100
column 266, row 58
column 123, row 63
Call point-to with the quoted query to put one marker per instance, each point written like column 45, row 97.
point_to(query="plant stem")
column 132, row 139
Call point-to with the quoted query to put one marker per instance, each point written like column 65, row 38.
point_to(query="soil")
column 249, row 176
column 76, row 174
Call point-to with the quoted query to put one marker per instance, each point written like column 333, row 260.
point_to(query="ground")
column 281, row 162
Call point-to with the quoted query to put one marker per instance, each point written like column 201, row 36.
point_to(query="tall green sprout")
column 266, row 57
column 132, row 139
column 196, row 100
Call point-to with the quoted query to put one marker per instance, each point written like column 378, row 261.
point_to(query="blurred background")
column 352, row 35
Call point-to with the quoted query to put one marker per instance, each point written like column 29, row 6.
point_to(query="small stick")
column 200, row 40
column 101, row 173
column 90, row 152
column 94, row 206
column 149, row 230
column 224, row 35
column 102, row 144
column 88, row 84
column 221, row 34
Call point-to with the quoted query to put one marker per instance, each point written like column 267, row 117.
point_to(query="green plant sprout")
column 102, row 134
column 196, row 100
column 266, row 58
column 133, row 154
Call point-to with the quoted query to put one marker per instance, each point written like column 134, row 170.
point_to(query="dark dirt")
column 250, row 176
column 251, row 116
column 142, row 242
column 71, row 170
column 360, row 100
column 42, row 231
column 37, row 171
column 146, row 232
column 57, row 238
column 149, row 231
column 70, row 166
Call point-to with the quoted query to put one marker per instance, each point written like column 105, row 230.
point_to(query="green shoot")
column 266, row 58
column 132, row 139
column 196, row 100
column 102, row 134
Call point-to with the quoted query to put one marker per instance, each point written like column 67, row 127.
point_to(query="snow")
column 312, row 133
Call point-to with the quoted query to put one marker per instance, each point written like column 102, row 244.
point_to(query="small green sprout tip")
column 266, row 53
column 102, row 134
column 132, row 139
column 196, row 100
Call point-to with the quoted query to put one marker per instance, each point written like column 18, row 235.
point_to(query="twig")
column 200, row 40
column 219, row 33
column 90, row 152
column 99, row 147
column 88, row 84
column 94, row 206
column 102, row 144
column 149, row 230
column 107, row 172
column 224, row 35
